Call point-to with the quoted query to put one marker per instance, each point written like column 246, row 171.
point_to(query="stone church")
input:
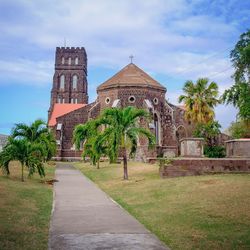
column 131, row 86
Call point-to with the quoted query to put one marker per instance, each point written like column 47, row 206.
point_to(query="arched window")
column 62, row 81
column 69, row 60
column 63, row 60
column 74, row 85
column 76, row 61
column 156, row 125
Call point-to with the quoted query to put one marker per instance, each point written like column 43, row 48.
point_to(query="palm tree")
column 122, row 131
column 32, row 133
column 28, row 154
column 95, row 148
column 200, row 99
column 37, row 132
column 88, row 135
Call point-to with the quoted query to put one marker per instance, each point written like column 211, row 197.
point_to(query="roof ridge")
column 131, row 75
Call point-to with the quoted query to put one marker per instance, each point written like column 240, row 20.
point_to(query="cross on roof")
column 131, row 58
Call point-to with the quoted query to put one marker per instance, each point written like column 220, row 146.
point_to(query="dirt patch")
column 50, row 182
column 209, row 182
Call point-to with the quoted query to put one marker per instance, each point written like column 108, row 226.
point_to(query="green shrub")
column 214, row 151
column 164, row 161
column 239, row 129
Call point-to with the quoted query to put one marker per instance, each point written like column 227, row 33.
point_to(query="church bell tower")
column 70, row 78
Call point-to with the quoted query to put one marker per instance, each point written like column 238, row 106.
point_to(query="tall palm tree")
column 200, row 99
column 89, row 136
column 122, row 132
column 27, row 153
column 37, row 132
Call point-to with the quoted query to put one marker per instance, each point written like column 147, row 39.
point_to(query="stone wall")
column 159, row 109
column 238, row 148
column 69, row 121
column 62, row 67
column 3, row 141
column 200, row 166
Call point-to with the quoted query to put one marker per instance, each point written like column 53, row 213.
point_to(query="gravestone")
column 238, row 148
column 192, row 147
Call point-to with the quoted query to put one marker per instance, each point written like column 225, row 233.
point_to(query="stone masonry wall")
column 69, row 121
column 195, row 166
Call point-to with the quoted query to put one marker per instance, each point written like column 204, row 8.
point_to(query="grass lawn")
column 198, row 212
column 25, row 209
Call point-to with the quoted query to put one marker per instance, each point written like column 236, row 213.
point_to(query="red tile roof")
column 62, row 109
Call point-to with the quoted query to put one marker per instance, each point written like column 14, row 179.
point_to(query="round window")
column 155, row 101
column 131, row 99
column 107, row 100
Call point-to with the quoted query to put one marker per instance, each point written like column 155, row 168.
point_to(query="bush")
column 239, row 129
column 214, row 151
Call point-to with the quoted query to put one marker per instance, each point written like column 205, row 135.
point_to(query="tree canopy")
column 200, row 98
column 30, row 145
column 36, row 132
column 115, row 132
column 239, row 93
column 27, row 153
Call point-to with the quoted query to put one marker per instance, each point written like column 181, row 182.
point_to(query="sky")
column 172, row 40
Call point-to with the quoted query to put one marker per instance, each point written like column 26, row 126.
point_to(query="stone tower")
column 70, row 78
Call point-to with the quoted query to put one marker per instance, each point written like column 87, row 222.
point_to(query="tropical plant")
column 239, row 93
column 239, row 129
column 200, row 99
column 215, row 151
column 32, row 133
column 122, row 132
column 27, row 153
column 37, row 132
column 208, row 131
column 89, row 136
column 240, row 57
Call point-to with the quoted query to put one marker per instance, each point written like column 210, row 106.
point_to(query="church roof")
column 60, row 109
column 131, row 75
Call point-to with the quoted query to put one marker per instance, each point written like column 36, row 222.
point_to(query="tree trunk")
column 22, row 173
column 98, row 164
column 125, row 164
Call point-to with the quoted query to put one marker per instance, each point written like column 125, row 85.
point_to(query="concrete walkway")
column 84, row 217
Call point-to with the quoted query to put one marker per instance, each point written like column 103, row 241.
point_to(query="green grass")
column 25, row 209
column 197, row 212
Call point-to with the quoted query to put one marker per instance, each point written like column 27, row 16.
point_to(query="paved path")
column 84, row 217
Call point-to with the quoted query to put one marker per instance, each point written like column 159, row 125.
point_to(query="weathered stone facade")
column 192, row 147
column 3, row 141
column 238, row 148
column 129, row 87
column 70, row 78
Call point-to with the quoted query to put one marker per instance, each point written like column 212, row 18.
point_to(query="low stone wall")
column 200, row 166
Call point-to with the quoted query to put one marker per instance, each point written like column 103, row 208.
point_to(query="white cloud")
column 166, row 38
column 23, row 71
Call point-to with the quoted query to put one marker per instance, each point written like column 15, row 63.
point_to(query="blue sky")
column 172, row 40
